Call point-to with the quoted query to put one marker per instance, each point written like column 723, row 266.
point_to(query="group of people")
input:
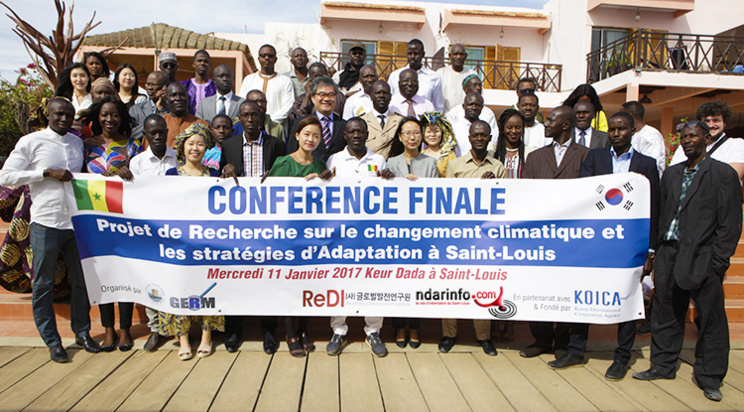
column 418, row 124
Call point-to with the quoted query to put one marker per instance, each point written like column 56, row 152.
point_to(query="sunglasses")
column 266, row 55
column 692, row 123
column 525, row 91
column 168, row 65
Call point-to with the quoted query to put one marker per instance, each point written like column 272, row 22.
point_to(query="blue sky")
column 119, row 15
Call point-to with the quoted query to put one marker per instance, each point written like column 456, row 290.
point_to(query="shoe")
column 378, row 348
column 488, row 347
column 616, row 371
column 560, row 352
column 184, row 353
column 307, row 343
column 532, row 351
column 414, row 340
column 58, row 354
column 204, row 350
column 295, row 348
column 644, row 328
column 87, row 343
column 713, row 394
column 336, row 345
column 651, row 374
column 111, row 347
column 566, row 361
column 232, row 342
column 446, row 344
column 400, row 338
column 152, row 342
column 270, row 344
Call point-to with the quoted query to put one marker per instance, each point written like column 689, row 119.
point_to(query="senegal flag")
column 101, row 195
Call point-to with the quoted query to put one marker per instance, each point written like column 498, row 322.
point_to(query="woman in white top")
column 74, row 84
column 127, row 84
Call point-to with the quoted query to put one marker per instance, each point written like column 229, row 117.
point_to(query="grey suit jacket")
column 139, row 113
column 207, row 108
column 421, row 166
column 380, row 139
column 600, row 139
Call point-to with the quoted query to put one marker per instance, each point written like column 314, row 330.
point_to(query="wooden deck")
column 406, row 380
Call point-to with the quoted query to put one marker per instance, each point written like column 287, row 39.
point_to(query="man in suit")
column 699, row 229
column 560, row 160
column 323, row 91
column 262, row 151
column 155, row 104
column 381, row 122
column 224, row 101
column 585, row 134
column 621, row 157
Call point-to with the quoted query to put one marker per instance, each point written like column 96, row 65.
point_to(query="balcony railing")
column 677, row 52
column 494, row 73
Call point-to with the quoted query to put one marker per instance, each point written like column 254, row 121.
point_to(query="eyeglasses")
column 692, row 123
column 326, row 95
column 527, row 90
column 411, row 134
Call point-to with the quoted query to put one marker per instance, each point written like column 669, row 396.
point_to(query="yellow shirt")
column 465, row 166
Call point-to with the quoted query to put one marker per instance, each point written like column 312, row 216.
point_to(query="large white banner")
column 560, row 250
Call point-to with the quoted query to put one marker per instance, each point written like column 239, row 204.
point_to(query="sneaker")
column 378, row 348
column 336, row 345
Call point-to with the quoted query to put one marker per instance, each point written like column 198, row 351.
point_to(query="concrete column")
column 631, row 92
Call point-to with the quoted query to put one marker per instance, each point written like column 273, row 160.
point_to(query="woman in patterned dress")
column 439, row 140
column 106, row 152
column 191, row 145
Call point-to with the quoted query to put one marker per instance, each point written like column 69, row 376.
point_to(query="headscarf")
column 448, row 143
column 101, row 83
column 194, row 128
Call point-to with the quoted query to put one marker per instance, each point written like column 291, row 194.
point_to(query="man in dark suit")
column 622, row 158
column 584, row 133
column 561, row 159
column 262, row 150
column 699, row 229
column 323, row 91
column 224, row 101
column 155, row 104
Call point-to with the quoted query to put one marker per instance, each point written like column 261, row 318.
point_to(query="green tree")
column 20, row 103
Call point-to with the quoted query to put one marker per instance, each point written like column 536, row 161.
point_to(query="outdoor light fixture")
column 501, row 34
column 645, row 99
column 638, row 15
column 379, row 28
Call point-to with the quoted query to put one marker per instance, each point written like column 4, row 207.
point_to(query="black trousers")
column 626, row 333
column 668, row 309
column 545, row 335
column 234, row 325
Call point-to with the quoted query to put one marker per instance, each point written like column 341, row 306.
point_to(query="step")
column 733, row 287
column 734, row 311
column 740, row 249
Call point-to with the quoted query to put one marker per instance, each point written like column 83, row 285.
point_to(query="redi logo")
column 331, row 298
column 194, row 302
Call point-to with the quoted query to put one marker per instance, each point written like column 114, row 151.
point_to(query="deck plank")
column 520, row 392
column 733, row 383
column 283, row 384
column 243, row 382
column 115, row 389
column 9, row 353
column 479, row 391
column 439, row 388
column 155, row 391
column 16, row 370
column 199, row 388
column 400, row 390
column 321, row 384
column 25, row 391
column 67, row 392
column 358, row 386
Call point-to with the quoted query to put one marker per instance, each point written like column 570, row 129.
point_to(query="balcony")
column 494, row 73
column 678, row 7
column 672, row 52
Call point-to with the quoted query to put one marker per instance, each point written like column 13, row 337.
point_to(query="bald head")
column 457, row 55
column 560, row 123
column 258, row 97
column 368, row 77
column 408, row 83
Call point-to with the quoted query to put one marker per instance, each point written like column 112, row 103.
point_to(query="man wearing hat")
column 348, row 79
column 168, row 63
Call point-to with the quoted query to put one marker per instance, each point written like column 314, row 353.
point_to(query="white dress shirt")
column 452, row 86
column 587, row 137
column 347, row 165
column 461, row 127
column 731, row 151
column 560, row 151
column 430, row 86
column 217, row 96
column 649, row 141
column 147, row 164
column 399, row 105
column 535, row 136
column 35, row 153
column 356, row 105
column 279, row 93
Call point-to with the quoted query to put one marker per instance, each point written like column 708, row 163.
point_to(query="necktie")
column 382, row 120
column 582, row 138
column 411, row 112
column 326, row 132
column 221, row 105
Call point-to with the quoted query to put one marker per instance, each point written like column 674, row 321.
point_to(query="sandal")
column 295, row 348
column 184, row 354
column 204, row 350
column 307, row 343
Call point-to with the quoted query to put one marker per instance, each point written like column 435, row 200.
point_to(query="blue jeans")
column 46, row 245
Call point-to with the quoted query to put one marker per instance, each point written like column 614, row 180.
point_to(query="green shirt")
column 286, row 166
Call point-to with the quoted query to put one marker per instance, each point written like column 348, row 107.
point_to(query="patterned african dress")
column 101, row 156
column 179, row 325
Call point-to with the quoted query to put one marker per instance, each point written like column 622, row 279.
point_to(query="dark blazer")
column 338, row 142
column 139, row 113
column 600, row 140
column 709, row 222
column 540, row 164
column 232, row 152
column 599, row 162
column 207, row 108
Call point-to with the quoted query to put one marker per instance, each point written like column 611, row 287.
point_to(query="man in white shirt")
column 430, row 83
column 534, row 131
column 472, row 107
column 44, row 161
column 726, row 149
column 277, row 87
column 360, row 103
column 646, row 140
column 356, row 160
column 452, row 77
column 407, row 101
column 472, row 83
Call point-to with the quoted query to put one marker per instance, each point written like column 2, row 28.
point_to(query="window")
column 603, row 36
column 371, row 47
